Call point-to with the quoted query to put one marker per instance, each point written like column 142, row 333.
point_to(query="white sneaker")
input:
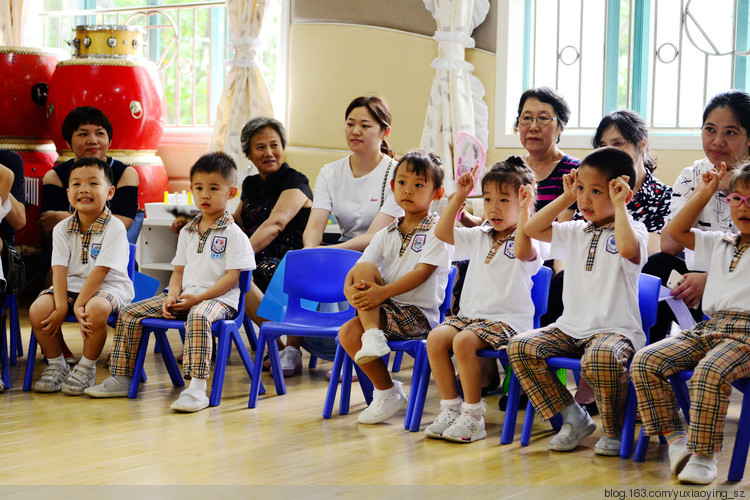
column 112, row 387
column 81, row 378
column 291, row 361
column 466, row 429
column 678, row 455
column 444, row 420
column 570, row 437
column 699, row 470
column 384, row 406
column 52, row 378
column 374, row 346
column 189, row 402
column 608, row 446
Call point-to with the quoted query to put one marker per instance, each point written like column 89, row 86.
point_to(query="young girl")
column 717, row 349
column 496, row 300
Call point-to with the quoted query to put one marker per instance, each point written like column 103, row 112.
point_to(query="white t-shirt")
column 422, row 248
column 501, row 289
column 225, row 247
column 109, row 247
column 5, row 208
column 604, row 299
column 355, row 201
column 724, row 291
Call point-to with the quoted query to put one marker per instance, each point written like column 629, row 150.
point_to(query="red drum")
column 26, row 73
column 128, row 91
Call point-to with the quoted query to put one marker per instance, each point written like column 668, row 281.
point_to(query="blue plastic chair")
column 648, row 300
column 227, row 332
column 71, row 318
column 135, row 228
column 10, row 357
column 415, row 348
column 314, row 274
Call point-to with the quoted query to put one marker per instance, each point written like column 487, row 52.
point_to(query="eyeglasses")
column 736, row 200
column 542, row 121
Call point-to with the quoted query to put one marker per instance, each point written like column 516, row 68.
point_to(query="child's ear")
column 630, row 197
column 233, row 192
column 439, row 192
column 393, row 183
column 111, row 192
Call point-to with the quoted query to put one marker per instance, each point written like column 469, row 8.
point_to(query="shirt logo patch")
column 611, row 247
column 218, row 247
column 96, row 249
column 418, row 243
column 510, row 249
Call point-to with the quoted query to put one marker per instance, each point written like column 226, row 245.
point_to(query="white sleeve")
column 180, row 256
column 240, row 253
column 532, row 266
column 705, row 244
column 115, row 250
column 464, row 240
column 560, row 233
column 435, row 252
column 374, row 251
column 641, row 233
column 61, row 244
column 321, row 195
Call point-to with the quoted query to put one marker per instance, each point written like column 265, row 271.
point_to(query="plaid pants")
column 198, row 344
column 604, row 359
column 718, row 350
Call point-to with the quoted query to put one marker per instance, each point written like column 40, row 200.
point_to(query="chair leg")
column 257, row 368
column 313, row 362
column 16, row 342
column 333, row 384
column 168, row 357
column 528, row 423
column 416, row 382
column 250, row 333
column 397, row 358
column 419, row 399
column 346, row 383
column 222, row 355
column 641, row 447
column 628, row 425
column 140, row 357
column 364, row 383
column 4, row 352
column 511, row 410
column 741, row 441
column 244, row 356
column 278, row 373
column 30, row 360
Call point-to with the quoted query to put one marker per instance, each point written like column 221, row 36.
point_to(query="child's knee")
column 440, row 339
column 99, row 310
column 350, row 332
column 366, row 271
column 464, row 343
column 40, row 309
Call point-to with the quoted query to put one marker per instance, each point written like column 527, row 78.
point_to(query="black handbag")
column 13, row 268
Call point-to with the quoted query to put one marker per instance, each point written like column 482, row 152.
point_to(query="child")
column 496, row 302
column 601, row 320
column 717, row 349
column 398, row 283
column 89, row 274
column 211, row 252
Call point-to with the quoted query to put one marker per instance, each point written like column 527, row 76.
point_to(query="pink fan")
column 469, row 152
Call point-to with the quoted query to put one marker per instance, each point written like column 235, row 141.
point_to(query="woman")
column 275, row 204
column 724, row 134
column 626, row 130
column 356, row 189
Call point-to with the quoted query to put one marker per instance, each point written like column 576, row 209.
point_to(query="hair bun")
column 516, row 161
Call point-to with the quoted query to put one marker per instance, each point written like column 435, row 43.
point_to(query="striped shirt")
column 550, row 188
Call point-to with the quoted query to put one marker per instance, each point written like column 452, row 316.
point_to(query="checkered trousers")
column 198, row 344
column 604, row 359
column 718, row 350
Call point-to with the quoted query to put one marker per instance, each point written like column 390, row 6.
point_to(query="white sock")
column 89, row 363
column 59, row 361
column 198, row 385
column 573, row 414
column 475, row 410
column 452, row 404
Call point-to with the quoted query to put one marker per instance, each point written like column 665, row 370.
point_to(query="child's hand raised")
column 710, row 180
column 570, row 181
column 619, row 189
column 465, row 183
column 525, row 197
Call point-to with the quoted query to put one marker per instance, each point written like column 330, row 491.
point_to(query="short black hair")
column 549, row 96
column 258, row 124
column 92, row 161
column 511, row 172
column 84, row 115
column 738, row 101
column 632, row 128
column 612, row 163
column 740, row 175
column 216, row 162
column 422, row 163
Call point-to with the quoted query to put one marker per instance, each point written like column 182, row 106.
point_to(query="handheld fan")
column 469, row 153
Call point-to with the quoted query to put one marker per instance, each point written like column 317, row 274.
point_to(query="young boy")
column 89, row 274
column 601, row 320
column 398, row 283
column 717, row 349
column 211, row 252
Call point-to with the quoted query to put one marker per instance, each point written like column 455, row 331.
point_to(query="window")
column 662, row 58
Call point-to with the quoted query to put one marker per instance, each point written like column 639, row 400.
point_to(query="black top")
column 258, row 199
column 13, row 161
column 124, row 202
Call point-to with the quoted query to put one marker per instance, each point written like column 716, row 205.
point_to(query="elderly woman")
column 275, row 203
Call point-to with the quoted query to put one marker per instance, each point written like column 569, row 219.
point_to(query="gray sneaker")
column 112, row 387
column 52, row 378
column 445, row 419
column 81, row 378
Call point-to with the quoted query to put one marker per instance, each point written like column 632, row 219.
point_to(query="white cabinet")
column 156, row 249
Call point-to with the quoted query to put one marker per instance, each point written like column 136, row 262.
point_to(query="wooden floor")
column 53, row 439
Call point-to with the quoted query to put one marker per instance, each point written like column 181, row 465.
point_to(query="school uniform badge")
column 510, row 249
column 96, row 249
column 418, row 243
column 611, row 246
column 218, row 247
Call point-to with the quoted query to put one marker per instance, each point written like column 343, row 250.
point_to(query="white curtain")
column 245, row 92
column 455, row 102
column 15, row 16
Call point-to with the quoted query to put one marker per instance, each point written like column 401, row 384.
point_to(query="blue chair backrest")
column 540, row 283
column 246, row 279
column 131, row 262
column 318, row 275
column 135, row 228
column 145, row 286
column 445, row 307
column 648, row 301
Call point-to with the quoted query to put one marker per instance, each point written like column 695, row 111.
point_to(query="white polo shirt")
column 604, row 298
column 208, row 257
column 396, row 254
column 108, row 247
column 355, row 201
column 498, row 290
column 725, row 290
